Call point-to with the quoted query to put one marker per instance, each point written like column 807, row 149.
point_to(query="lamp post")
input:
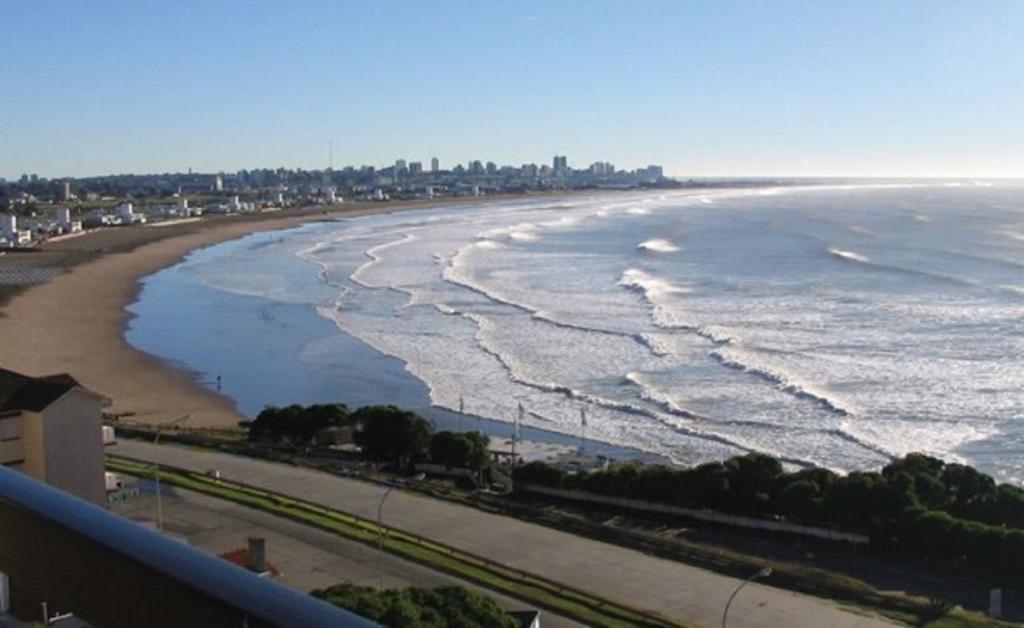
column 764, row 573
column 380, row 522
column 156, row 467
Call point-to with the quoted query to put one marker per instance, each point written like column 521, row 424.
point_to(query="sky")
column 728, row 88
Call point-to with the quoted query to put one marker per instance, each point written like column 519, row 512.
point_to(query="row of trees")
column 297, row 424
column 917, row 503
column 383, row 433
column 443, row 607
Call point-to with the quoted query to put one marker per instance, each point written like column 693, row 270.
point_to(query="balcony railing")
column 79, row 558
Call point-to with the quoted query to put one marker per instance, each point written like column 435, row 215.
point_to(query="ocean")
column 830, row 325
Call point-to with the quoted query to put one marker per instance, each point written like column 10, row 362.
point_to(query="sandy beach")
column 75, row 322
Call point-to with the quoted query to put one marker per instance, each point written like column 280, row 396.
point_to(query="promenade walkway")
column 617, row 573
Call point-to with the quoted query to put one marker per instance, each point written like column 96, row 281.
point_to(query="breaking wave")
column 849, row 256
column 658, row 245
column 746, row 362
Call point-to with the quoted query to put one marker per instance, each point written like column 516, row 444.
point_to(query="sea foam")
column 658, row 245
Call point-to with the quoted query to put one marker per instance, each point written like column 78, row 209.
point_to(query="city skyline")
column 763, row 89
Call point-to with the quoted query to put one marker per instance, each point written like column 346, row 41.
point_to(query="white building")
column 64, row 222
column 8, row 225
column 183, row 209
column 51, row 430
column 10, row 232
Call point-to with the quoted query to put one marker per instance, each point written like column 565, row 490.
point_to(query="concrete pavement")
column 627, row 576
column 306, row 557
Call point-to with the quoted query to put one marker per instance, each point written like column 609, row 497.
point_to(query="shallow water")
column 837, row 326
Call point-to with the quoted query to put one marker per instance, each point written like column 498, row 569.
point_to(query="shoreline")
column 76, row 321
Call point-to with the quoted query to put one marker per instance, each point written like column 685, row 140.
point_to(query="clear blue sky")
column 705, row 88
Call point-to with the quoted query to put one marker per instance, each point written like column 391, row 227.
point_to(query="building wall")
column 47, row 563
column 12, row 449
column 32, row 441
column 73, row 445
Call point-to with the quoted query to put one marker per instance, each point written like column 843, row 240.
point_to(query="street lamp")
column 380, row 522
column 764, row 573
column 156, row 467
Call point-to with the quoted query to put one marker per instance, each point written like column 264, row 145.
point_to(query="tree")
column 443, row 607
column 539, row 473
column 296, row 423
column 800, row 499
column 388, row 434
column 751, row 478
column 967, row 489
column 460, row 449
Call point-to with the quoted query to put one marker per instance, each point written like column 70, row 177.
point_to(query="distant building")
column 65, row 191
column 64, row 222
column 253, row 557
column 416, row 167
column 218, row 183
column 400, row 166
column 51, row 430
column 435, row 164
column 126, row 214
column 8, row 225
column 10, row 232
column 560, row 164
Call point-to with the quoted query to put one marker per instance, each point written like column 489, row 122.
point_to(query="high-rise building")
column 415, row 167
column 435, row 164
column 65, row 191
column 560, row 164
column 218, row 183
column 399, row 165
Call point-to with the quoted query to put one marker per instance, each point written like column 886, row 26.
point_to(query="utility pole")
column 583, row 430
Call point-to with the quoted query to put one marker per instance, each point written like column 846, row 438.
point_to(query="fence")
column 701, row 515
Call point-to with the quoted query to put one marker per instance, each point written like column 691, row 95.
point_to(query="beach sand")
column 75, row 322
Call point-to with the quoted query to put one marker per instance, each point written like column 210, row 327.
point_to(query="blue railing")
column 94, row 541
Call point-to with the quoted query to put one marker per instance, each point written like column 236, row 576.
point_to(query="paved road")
column 617, row 573
column 307, row 558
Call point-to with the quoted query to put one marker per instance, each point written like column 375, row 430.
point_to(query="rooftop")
column 21, row 392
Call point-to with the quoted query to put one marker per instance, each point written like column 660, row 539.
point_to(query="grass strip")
column 567, row 601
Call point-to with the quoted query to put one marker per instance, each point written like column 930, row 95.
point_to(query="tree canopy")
column 295, row 423
column 389, row 434
column 443, row 607
column 917, row 504
column 460, row 449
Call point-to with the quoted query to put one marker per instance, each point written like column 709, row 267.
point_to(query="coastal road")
column 624, row 575
column 306, row 557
